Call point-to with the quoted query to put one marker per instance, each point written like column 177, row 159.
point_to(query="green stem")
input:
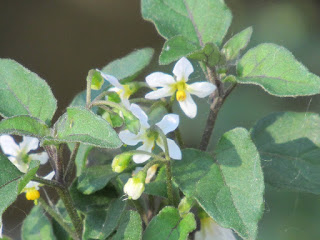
column 58, row 218
column 67, row 201
column 89, row 81
column 71, row 160
column 141, row 211
column 169, row 183
column 107, row 103
column 50, row 183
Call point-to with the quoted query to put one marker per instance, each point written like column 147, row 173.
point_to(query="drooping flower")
column 211, row 230
column 169, row 85
column 123, row 90
column 149, row 137
column 32, row 188
column 135, row 186
column 19, row 155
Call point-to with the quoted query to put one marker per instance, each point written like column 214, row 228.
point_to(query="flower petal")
column 129, row 138
column 9, row 146
column 111, row 79
column 28, row 144
column 140, row 114
column 183, row 69
column 42, row 157
column 174, row 149
column 211, row 230
column 189, row 106
column 160, row 93
column 201, row 89
column 159, row 79
column 169, row 123
column 31, row 184
column 49, row 176
column 141, row 158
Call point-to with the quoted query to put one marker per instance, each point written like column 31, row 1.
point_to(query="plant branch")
column 58, row 218
column 71, row 161
column 68, row 203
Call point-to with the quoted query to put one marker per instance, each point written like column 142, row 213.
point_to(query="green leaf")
column 170, row 226
column 175, row 48
column 24, row 93
column 276, row 70
column 130, row 66
column 158, row 187
column 101, row 223
column 98, row 200
column 95, row 178
column 236, row 44
column 209, row 54
column 188, row 21
column 130, row 227
column 230, row 188
column 12, row 181
column 81, row 125
column 289, row 146
column 37, row 226
column 24, row 125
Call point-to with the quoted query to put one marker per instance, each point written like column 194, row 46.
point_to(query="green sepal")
column 96, row 79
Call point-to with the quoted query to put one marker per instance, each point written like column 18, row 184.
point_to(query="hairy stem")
column 68, row 203
column 58, row 218
column 169, row 183
column 71, row 161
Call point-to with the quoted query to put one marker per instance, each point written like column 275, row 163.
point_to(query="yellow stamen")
column 32, row 194
column 181, row 95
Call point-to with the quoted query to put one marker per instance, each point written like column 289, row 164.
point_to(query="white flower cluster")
column 164, row 85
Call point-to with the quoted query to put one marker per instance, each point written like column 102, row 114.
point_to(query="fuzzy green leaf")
column 81, row 125
column 169, row 225
column 82, row 157
column 130, row 66
column 277, row 71
column 12, row 181
column 24, row 125
column 236, row 44
column 209, row 54
column 230, row 188
column 130, row 227
column 289, row 146
column 175, row 48
column 24, row 93
column 37, row 226
column 189, row 18
column 101, row 223
column 95, row 178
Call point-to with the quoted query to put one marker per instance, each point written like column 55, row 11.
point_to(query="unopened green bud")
column 96, row 79
column 185, row 206
column 131, row 121
column 135, row 186
column 113, row 118
column 121, row 162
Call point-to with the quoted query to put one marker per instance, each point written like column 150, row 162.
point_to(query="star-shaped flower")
column 148, row 137
column 169, row 85
column 19, row 155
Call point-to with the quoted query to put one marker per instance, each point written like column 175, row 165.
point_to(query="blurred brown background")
column 62, row 39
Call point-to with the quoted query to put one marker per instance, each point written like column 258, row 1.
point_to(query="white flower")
column 123, row 91
column 170, row 85
column 210, row 230
column 32, row 188
column 18, row 153
column 148, row 138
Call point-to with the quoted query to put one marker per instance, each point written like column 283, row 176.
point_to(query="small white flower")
column 134, row 188
column 170, row 85
column 32, row 188
column 211, row 230
column 18, row 153
column 148, row 138
column 123, row 91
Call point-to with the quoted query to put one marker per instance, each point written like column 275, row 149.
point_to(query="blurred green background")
column 61, row 40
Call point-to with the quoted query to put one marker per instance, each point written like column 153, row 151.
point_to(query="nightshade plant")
column 163, row 190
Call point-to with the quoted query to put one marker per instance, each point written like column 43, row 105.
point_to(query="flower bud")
column 185, row 206
column 114, row 97
column 151, row 172
column 96, row 79
column 121, row 162
column 131, row 121
column 135, row 186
